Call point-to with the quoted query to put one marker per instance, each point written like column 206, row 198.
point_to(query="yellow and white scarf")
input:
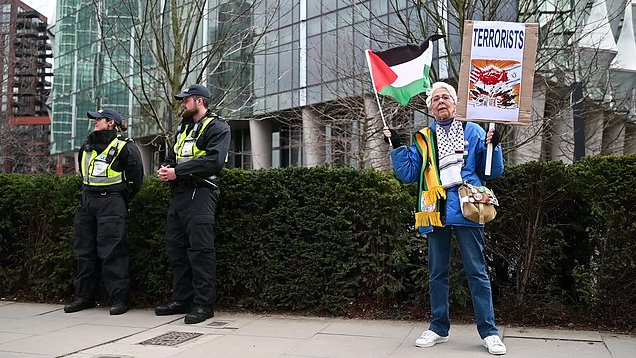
column 431, row 191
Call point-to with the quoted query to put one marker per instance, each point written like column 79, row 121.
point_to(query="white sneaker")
column 429, row 339
column 494, row 345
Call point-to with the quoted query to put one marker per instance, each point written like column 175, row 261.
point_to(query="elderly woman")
column 443, row 156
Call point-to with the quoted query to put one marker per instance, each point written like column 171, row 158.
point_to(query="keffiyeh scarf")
column 451, row 153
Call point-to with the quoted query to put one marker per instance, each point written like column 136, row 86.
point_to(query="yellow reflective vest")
column 96, row 168
column 185, row 147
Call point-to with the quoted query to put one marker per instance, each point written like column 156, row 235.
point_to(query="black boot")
column 79, row 304
column 118, row 307
column 175, row 307
column 199, row 314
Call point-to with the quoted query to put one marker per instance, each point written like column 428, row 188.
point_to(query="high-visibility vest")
column 185, row 147
column 96, row 168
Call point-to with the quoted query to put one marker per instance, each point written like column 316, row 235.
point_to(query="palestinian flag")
column 402, row 72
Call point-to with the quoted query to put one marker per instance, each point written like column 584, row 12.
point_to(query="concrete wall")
column 613, row 135
column 594, row 125
column 313, row 139
column 377, row 151
column 527, row 139
column 261, row 143
column 630, row 138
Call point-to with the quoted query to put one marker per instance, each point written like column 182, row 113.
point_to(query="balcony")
column 43, row 84
column 28, row 15
column 26, row 92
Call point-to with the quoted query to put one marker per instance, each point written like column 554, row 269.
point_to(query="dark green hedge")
column 339, row 240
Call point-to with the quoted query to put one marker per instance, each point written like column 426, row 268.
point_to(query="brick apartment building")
column 24, row 88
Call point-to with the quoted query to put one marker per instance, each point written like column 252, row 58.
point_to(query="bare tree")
column 5, row 142
column 559, row 62
column 410, row 21
column 158, row 47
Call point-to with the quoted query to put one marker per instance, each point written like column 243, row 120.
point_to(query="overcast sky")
column 45, row 7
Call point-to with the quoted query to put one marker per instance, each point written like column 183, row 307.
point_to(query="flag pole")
column 376, row 93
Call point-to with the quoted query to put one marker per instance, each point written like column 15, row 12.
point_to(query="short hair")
column 440, row 85
column 206, row 101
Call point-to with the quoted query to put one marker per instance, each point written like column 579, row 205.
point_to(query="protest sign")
column 497, row 72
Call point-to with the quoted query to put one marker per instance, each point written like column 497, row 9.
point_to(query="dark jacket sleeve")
column 79, row 158
column 216, row 141
column 171, row 157
column 131, row 164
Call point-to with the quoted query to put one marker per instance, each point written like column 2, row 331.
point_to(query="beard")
column 188, row 113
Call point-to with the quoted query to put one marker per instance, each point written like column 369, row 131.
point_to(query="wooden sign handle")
column 489, row 149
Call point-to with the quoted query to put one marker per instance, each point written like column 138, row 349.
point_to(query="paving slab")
column 23, row 310
column 131, row 347
column 229, row 322
column 36, row 324
column 284, row 327
column 22, row 355
column 157, row 331
column 620, row 346
column 367, row 328
column 464, row 342
column 341, row 346
column 125, row 350
column 233, row 346
column 34, row 330
column 67, row 340
column 534, row 348
column 558, row 334
column 101, row 316
column 8, row 337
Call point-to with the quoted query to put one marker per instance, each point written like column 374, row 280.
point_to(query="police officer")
column 199, row 154
column 112, row 173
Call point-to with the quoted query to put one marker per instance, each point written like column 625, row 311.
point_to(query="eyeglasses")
column 444, row 97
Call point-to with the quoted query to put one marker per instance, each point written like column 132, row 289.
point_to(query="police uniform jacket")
column 214, row 139
column 128, row 162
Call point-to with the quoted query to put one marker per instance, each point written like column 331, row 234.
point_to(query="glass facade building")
column 106, row 55
column 304, row 96
column 85, row 78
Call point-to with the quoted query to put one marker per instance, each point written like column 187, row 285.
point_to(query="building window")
column 339, row 143
column 287, row 148
column 240, row 155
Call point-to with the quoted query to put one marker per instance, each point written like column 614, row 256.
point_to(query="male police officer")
column 199, row 154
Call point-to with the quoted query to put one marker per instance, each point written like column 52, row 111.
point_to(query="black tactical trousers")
column 190, row 244
column 101, row 246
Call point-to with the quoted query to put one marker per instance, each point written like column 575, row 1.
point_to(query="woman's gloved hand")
column 493, row 137
column 393, row 134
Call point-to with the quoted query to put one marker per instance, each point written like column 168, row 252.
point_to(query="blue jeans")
column 471, row 247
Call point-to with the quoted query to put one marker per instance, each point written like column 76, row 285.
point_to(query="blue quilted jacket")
column 407, row 162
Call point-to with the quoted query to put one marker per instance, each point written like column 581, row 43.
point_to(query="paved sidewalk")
column 42, row 330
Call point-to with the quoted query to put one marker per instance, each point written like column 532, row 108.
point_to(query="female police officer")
column 112, row 173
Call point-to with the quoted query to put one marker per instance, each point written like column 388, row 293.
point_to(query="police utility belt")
column 193, row 181
column 90, row 191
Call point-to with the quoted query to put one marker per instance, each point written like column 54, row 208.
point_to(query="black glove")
column 395, row 138
column 126, row 198
column 496, row 138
